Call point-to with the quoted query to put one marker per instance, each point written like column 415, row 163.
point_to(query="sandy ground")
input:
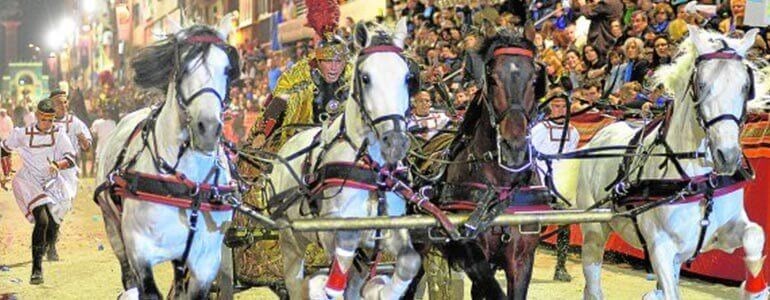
column 89, row 270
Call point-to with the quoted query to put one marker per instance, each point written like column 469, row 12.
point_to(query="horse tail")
column 565, row 178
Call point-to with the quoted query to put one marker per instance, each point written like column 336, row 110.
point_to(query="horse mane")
column 154, row 64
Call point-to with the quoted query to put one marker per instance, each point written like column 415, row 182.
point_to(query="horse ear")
column 172, row 27
column 362, row 35
column 748, row 41
column 226, row 25
column 401, row 32
column 529, row 31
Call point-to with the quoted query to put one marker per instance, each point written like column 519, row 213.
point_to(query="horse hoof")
column 130, row 294
column 36, row 279
column 315, row 287
column 746, row 295
column 373, row 287
column 653, row 295
column 562, row 275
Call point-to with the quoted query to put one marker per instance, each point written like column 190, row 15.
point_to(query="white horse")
column 375, row 116
column 175, row 149
column 711, row 67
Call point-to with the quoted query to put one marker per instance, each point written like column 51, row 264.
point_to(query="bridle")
column 358, row 91
column 725, row 53
column 496, row 118
column 179, row 73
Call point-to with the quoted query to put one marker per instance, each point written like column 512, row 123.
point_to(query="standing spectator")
column 6, row 124
column 601, row 13
column 102, row 127
column 547, row 139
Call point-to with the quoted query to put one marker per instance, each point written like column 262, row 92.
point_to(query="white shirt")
column 433, row 122
column 6, row 126
column 73, row 127
column 546, row 137
column 102, row 129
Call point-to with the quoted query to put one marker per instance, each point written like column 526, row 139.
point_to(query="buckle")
column 539, row 229
column 196, row 190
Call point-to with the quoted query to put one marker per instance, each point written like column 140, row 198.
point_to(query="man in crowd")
column 547, row 139
column 601, row 13
column 102, row 128
column 41, row 191
column 424, row 122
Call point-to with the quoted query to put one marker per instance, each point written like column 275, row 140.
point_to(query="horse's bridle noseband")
column 726, row 53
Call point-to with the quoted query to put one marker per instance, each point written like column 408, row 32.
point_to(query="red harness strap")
column 174, row 190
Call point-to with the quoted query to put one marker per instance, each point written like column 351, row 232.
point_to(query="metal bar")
column 559, row 217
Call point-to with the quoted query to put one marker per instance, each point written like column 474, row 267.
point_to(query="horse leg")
column 408, row 263
column 148, row 290
column 474, row 263
column 115, row 237
column 562, row 247
column 519, row 257
column 345, row 246
column 743, row 232
column 293, row 263
column 663, row 259
column 594, row 238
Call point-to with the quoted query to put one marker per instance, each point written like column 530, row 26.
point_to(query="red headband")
column 204, row 39
column 381, row 48
column 513, row 51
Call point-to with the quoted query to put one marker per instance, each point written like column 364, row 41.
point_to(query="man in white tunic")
column 547, row 138
column 80, row 138
column 428, row 122
column 39, row 187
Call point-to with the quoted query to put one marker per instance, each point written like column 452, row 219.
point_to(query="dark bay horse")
column 492, row 170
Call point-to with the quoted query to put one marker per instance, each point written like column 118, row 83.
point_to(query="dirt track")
column 89, row 270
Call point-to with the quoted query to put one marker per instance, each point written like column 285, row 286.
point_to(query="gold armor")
column 299, row 90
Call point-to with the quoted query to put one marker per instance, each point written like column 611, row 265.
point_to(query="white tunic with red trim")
column 73, row 127
column 432, row 122
column 33, row 184
column 546, row 137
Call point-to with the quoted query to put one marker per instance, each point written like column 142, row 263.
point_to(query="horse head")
column 720, row 107
column 511, row 78
column 383, row 82
column 195, row 67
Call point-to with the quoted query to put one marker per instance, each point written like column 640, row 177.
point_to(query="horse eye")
column 365, row 79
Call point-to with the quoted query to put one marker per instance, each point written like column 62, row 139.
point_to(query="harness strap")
column 195, row 206
column 643, row 242
column 704, row 223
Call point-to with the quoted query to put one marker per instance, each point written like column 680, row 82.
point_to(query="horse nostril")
column 721, row 156
column 201, row 127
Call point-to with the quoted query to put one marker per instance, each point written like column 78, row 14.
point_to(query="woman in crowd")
column 661, row 54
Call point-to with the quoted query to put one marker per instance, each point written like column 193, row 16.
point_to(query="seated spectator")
column 615, row 78
column 661, row 54
column 595, row 64
column 662, row 14
column 636, row 65
column 424, row 122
